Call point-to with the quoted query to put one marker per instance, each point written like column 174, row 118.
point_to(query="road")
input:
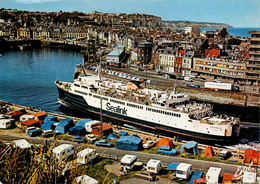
column 143, row 157
column 250, row 89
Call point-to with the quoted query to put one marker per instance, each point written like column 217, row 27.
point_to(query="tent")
column 112, row 136
column 107, row 129
column 172, row 166
column 122, row 133
column 30, row 122
column 209, row 152
column 48, row 125
column 196, row 175
column 50, row 118
column 190, row 147
column 131, row 143
column 64, row 125
column 16, row 115
column 83, row 122
column 251, row 157
column 77, row 131
column 165, row 142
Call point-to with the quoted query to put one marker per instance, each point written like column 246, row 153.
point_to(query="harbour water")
column 27, row 77
column 234, row 31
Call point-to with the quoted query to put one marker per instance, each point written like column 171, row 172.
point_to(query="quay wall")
column 6, row 45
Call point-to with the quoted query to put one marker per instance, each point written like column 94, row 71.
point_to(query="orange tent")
column 107, row 129
column 39, row 116
column 209, row 152
column 200, row 181
column 165, row 142
column 30, row 122
column 252, row 156
column 229, row 178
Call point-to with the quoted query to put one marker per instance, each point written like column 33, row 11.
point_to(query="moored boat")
column 134, row 104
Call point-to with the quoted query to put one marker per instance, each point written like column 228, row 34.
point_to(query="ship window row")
column 81, row 92
column 158, row 103
column 163, row 112
column 116, row 101
column 135, row 106
column 103, row 98
column 85, row 87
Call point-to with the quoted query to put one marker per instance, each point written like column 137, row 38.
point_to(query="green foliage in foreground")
column 38, row 165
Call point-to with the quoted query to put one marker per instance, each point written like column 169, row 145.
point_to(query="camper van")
column 26, row 117
column 212, row 176
column 183, row 171
column 127, row 162
column 154, row 166
column 6, row 123
column 86, row 155
column 63, row 151
column 91, row 124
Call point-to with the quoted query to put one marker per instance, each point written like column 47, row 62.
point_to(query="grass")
column 200, row 156
column 38, row 165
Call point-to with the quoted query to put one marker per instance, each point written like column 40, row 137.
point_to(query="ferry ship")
column 134, row 104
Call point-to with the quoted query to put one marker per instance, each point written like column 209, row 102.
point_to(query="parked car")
column 193, row 86
column 149, row 144
column 91, row 138
column 103, row 143
column 224, row 154
column 77, row 139
column 167, row 150
column 34, row 132
column 148, row 175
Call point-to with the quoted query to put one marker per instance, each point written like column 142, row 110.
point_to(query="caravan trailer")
column 154, row 166
column 127, row 162
column 63, row 151
column 183, row 171
column 6, row 123
column 213, row 174
column 86, row 155
column 26, row 117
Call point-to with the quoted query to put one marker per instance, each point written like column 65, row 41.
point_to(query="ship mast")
column 99, row 76
column 175, row 85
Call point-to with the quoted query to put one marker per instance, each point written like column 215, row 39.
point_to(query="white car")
column 149, row 144
column 91, row 138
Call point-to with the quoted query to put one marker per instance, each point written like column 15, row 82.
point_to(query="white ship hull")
column 174, row 122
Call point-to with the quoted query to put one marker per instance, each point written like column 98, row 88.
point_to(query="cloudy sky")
column 238, row 13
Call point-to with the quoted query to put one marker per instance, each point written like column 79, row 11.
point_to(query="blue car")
column 103, row 143
column 167, row 150
column 34, row 132
column 77, row 139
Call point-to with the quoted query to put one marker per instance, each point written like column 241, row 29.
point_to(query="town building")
column 116, row 55
column 144, row 53
column 253, row 62
column 166, row 60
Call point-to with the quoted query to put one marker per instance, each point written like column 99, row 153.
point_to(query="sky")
column 237, row 13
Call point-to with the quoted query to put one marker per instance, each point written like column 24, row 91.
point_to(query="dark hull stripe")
column 78, row 102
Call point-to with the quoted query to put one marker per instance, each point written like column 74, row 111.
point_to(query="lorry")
column 221, row 86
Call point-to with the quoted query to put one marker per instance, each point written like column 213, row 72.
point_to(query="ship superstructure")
column 132, row 103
